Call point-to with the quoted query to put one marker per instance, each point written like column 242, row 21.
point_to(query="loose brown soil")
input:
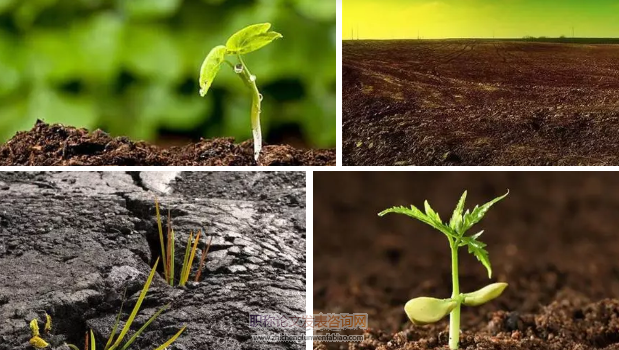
column 59, row 145
column 553, row 239
column 467, row 102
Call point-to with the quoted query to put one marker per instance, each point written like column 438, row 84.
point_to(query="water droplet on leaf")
column 238, row 68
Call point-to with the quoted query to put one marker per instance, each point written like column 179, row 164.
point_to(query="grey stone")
column 72, row 242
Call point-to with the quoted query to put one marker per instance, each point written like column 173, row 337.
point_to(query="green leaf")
column 251, row 38
column 475, row 236
column 163, row 253
column 478, row 213
column 136, row 308
column 477, row 248
column 137, row 334
column 415, row 213
column 171, row 340
column 182, row 280
column 432, row 214
column 93, row 346
column 456, row 218
column 210, row 67
column 115, row 327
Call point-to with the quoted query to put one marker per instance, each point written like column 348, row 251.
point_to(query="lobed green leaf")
column 477, row 248
column 433, row 219
column 210, row 68
column 456, row 218
column 478, row 213
column 430, row 213
column 251, row 38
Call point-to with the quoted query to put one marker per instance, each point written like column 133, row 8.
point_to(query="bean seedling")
column 424, row 310
column 246, row 40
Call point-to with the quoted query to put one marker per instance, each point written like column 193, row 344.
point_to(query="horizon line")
column 490, row 38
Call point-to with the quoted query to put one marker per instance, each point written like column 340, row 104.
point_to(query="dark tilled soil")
column 553, row 239
column 59, row 145
column 467, row 102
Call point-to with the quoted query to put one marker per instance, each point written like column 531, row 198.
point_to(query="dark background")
column 554, row 235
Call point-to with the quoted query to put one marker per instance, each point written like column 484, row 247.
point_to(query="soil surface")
column 72, row 242
column 553, row 239
column 60, row 145
column 472, row 102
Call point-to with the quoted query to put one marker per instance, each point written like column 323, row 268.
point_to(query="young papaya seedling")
column 424, row 310
column 246, row 40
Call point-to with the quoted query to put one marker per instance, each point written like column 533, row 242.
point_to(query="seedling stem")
column 256, row 99
column 454, row 316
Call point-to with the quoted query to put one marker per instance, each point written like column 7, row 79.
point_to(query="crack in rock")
column 72, row 242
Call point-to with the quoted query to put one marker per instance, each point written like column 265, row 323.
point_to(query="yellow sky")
column 433, row 19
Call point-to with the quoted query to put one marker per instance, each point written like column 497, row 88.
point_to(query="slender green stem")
column 250, row 82
column 454, row 316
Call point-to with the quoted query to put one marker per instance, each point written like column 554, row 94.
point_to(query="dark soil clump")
column 59, row 145
column 553, row 239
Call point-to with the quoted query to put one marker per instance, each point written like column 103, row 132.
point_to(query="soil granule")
column 553, row 239
column 60, row 145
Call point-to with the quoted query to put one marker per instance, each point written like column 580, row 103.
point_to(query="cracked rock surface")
column 72, row 242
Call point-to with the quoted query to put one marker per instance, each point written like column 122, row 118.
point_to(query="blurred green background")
column 131, row 67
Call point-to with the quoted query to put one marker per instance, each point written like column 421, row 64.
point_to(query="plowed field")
column 475, row 102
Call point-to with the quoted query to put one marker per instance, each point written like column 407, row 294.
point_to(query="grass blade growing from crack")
column 92, row 341
column 171, row 340
column 170, row 249
column 193, row 254
column 191, row 257
column 109, row 341
column 203, row 259
column 136, row 308
column 163, row 254
column 182, row 281
column 48, row 323
column 137, row 334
